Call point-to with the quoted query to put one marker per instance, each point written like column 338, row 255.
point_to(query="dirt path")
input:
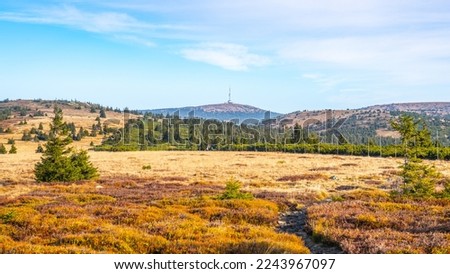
column 294, row 222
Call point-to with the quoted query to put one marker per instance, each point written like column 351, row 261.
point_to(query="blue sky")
column 282, row 55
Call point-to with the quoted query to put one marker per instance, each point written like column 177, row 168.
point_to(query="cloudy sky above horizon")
column 282, row 55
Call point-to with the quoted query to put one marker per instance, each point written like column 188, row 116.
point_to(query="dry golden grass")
column 141, row 217
column 162, row 197
column 257, row 171
column 290, row 173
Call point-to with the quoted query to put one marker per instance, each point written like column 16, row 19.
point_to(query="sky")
column 281, row 55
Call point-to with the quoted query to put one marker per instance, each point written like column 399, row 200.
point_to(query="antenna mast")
column 229, row 95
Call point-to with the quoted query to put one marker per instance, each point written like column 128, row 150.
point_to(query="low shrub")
column 233, row 191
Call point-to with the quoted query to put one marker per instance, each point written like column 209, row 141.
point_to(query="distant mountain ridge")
column 360, row 124
column 425, row 108
column 225, row 111
column 428, row 107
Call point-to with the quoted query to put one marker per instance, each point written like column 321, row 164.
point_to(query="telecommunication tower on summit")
column 229, row 96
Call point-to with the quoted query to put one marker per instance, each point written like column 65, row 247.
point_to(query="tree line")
column 175, row 133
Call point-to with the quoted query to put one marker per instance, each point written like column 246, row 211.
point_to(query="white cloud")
column 405, row 58
column 227, row 56
column 399, row 43
column 282, row 17
column 119, row 25
column 73, row 17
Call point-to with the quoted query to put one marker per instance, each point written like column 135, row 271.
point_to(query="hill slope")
column 430, row 108
column 375, row 120
column 358, row 124
column 26, row 116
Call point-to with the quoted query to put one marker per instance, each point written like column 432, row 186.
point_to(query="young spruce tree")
column 13, row 150
column 2, row 149
column 419, row 178
column 39, row 149
column 59, row 162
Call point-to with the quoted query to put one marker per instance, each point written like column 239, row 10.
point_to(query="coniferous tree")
column 2, row 149
column 298, row 134
column 59, row 162
column 39, row 149
column 419, row 178
column 26, row 136
column 13, row 150
column 102, row 113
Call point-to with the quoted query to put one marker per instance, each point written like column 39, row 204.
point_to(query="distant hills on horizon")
column 223, row 112
column 231, row 110
column 362, row 122
column 358, row 123
column 228, row 111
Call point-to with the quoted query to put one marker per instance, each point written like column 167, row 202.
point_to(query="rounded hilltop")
column 230, row 107
column 222, row 111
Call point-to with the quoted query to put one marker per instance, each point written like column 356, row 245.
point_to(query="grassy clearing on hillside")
column 139, row 217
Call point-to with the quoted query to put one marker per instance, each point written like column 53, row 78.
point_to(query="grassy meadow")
column 169, row 202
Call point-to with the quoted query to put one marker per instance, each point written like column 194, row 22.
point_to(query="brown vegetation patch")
column 324, row 169
column 291, row 200
column 391, row 172
column 174, row 179
column 338, row 158
column 346, row 188
column 349, row 165
column 302, row 177
column 373, row 182
column 383, row 227
column 149, row 192
column 8, row 183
